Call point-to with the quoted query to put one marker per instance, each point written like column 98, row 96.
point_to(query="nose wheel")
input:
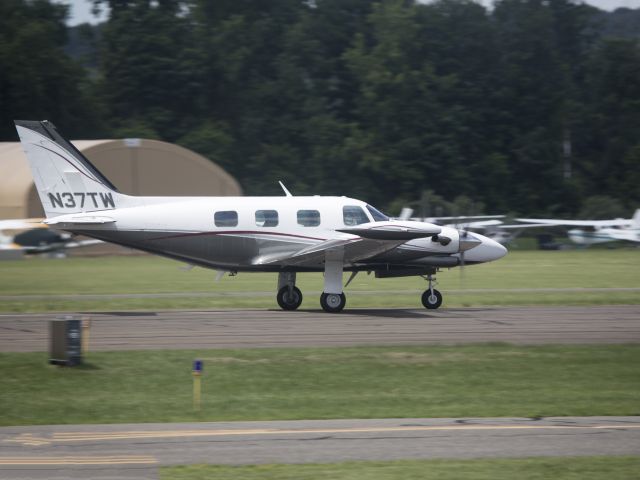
column 333, row 302
column 431, row 298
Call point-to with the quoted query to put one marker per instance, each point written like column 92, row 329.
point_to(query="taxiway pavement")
column 136, row 451
column 233, row 328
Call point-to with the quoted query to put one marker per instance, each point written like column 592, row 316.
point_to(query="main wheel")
column 431, row 301
column 289, row 301
column 332, row 302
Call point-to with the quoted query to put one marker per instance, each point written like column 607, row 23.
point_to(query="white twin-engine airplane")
column 591, row 232
column 287, row 234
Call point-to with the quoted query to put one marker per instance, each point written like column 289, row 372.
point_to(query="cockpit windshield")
column 377, row 215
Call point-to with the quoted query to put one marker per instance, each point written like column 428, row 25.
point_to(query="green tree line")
column 532, row 106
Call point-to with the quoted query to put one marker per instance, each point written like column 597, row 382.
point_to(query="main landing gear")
column 289, row 296
column 431, row 298
column 332, row 299
column 332, row 302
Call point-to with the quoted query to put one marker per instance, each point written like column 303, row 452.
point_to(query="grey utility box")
column 66, row 342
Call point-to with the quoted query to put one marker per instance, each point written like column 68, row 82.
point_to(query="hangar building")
column 134, row 166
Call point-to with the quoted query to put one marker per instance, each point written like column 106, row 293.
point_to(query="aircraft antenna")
column 286, row 192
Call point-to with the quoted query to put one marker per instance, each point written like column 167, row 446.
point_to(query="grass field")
column 271, row 384
column 575, row 468
column 521, row 278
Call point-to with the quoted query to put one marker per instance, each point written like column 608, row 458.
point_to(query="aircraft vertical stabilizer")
column 66, row 180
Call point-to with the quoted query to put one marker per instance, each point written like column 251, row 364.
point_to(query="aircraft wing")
column 364, row 241
column 459, row 221
column 618, row 234
column 79, row 220
column 521, row 226
column 355, row 249
column 476, row 224
column 462, row 221
column 575, row 223
column 469, row 218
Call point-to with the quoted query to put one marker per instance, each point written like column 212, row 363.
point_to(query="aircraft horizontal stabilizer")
column 79, row 220
column 21, row 224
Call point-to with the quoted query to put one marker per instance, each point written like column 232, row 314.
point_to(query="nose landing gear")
column 431, row 298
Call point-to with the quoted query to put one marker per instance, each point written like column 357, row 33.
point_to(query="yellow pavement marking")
column 98, row 460
column 29, row 439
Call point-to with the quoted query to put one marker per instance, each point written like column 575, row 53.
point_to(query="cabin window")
column 377, row 215
column 354, row 215
column 267, row 218
column 308, row 218
column 227, row 218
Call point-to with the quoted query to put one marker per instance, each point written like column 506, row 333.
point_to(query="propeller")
column 467, row 242
column 463, row 236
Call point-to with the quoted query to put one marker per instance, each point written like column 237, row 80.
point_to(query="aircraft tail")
column 66, row 180
column 636, row 218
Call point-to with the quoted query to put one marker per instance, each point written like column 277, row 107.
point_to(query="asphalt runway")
column 275, row 328
column 136, row 451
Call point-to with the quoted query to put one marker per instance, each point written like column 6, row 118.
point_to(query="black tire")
column 289, row 301
column 332, row 302
column 429, row 302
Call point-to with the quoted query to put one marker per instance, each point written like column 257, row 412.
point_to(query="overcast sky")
column 81, row 9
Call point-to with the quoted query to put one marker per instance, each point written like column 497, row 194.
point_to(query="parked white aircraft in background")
column 276, row 234
column 31, row 236
column 595, row 231
column 461, row 220
column 490, row 226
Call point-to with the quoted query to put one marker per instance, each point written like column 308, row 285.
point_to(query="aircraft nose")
column 488, row 251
